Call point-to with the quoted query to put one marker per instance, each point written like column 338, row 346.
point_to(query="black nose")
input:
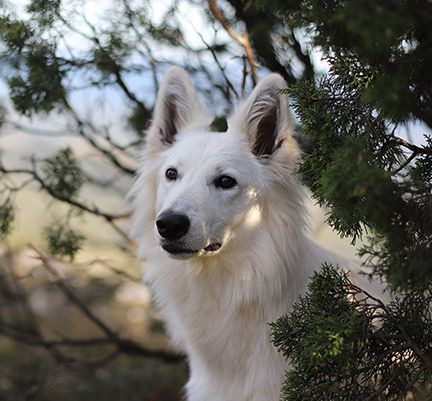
column 172, row 225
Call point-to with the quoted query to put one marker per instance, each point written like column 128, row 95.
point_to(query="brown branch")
column 107, row 153
column 116, row 70
column 128, row 93
column 242, row 40
column 109, row 217
column 410, row 146
column 70, row 295
column 73, row 202
column 67, row 133
column 131, row 16
column 21, row 296
column 38, row 131
column 57, row 347
column 221, row 68
column 19, row 291
column 260, row 26
column 120, row 273
column 123, row 345
column 244, row 75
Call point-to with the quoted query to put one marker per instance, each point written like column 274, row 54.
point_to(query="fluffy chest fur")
column 218, row 309
column 220, row 318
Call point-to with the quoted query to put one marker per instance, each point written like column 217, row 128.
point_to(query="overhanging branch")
column 109, row 217
column 242, row 40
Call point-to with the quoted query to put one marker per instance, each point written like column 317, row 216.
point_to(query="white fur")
column 218, row 304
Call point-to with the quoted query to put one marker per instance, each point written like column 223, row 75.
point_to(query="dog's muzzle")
column 172, row 227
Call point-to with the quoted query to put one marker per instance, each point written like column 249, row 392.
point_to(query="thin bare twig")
column 131, row 15
column 244, row 75
column 116, row 70
column 70, row 295
column 242, row 40
column 221, row 68
column 70, row 133
column 107, row 153
column 405, row 163
column 109, row 217
column 123, row 345
column 57, row 347
column 427, row 360
column 39, row 131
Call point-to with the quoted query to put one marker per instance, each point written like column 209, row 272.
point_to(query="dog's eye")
column 225, row 182
column 171, row 174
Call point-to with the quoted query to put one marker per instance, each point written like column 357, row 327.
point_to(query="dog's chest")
column 217, row 321
column 229, row 347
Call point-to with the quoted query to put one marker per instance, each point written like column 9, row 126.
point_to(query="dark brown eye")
column 171, row 174
column 225, row 182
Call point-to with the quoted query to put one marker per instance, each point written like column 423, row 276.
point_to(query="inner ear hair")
column 264, row 118
column 170, row 116
column 177, row 108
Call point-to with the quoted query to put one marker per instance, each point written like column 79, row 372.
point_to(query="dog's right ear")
column 177, row 107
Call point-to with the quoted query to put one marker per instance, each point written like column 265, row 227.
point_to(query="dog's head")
column 208, row 184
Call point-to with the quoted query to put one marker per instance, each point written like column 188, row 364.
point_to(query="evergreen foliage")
column 63, row 241
column 392, row 37
column 39, row 88
column 7, row 216
column 353, row 168
column 346, row 345
column 373, row 182
column 63, row 174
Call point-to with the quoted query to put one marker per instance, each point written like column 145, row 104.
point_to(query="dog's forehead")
column 211, row 148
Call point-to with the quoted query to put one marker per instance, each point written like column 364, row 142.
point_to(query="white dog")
column 220, row 221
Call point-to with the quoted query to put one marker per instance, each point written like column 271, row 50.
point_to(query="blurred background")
column 77, row 88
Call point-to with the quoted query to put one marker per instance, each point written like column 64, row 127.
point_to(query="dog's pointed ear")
column 177, row 107
column 264, row 117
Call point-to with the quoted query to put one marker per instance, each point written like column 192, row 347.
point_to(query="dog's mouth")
column 176, row 250
column 213, row 247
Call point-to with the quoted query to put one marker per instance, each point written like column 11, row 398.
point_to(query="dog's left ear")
column 264, row 117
